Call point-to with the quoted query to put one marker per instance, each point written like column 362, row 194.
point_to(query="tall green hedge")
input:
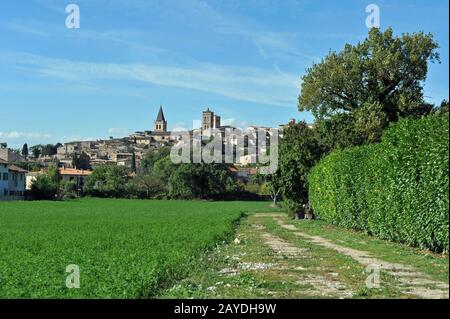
column 396, row 190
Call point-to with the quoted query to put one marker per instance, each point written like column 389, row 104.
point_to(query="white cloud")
column 23, row 135
column 235, row 123
column 26, row 29
column 249, row 84
column 269, row 44
column 16, row 139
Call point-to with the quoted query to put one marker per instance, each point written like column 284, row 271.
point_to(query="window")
column 5, row 192
column 5, row 176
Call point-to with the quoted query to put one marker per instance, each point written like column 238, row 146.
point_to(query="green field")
column 124, row 248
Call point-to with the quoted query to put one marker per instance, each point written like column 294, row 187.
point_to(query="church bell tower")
column 160, row 125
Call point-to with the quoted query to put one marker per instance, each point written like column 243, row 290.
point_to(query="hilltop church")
column 159, row 134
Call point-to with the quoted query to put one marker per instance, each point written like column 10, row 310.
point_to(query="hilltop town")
column 124, row 151
column 76, row 160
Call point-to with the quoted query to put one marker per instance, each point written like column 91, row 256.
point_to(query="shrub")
column 201, row 181
column 396, row 190
column 299, row 152
column 106, row 181
column 44, row 188
column 68, row 190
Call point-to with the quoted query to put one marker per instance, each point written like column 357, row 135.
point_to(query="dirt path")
column 273, row 258
column 320, row 285
column 410, row 281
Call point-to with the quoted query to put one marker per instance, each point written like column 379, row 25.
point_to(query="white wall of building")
column 12, row 183
column 4, row 182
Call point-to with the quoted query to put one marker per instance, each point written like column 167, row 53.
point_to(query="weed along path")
column 275, row 257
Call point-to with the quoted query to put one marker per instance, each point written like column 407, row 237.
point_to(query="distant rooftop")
column 17, row 169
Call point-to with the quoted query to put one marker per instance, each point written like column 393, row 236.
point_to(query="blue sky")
column 242, row 58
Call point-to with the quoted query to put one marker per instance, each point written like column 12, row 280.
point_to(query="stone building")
column 210, row 120
column 119, row 150
column 9, row 155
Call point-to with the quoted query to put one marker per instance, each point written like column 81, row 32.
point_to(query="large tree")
column 201, row 181
column 49, row 150
column 368, row 85
column 46, row 186
column 107, row 181
column 36, row 150
column 149, row 160
column 25, row 150
column 81, row 162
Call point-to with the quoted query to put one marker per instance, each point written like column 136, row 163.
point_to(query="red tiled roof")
column 233, row 169
column 74, row 172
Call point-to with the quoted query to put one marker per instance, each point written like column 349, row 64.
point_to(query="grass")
column 124, row 248
column 180, row 249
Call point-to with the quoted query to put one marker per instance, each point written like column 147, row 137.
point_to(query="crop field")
column 123, row 248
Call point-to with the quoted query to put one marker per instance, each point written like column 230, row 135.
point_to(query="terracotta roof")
column 74, row 172
column 14, row 168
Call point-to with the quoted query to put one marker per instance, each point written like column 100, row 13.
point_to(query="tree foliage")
column 25, row 150
column 107, row 181
column 368, row 85
column 299, row 151
column 149, row 160
column 396, row 190
column 43, row 188
column 82, row 161
column 200, row 181
column 46, row 186
column 36, row 150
